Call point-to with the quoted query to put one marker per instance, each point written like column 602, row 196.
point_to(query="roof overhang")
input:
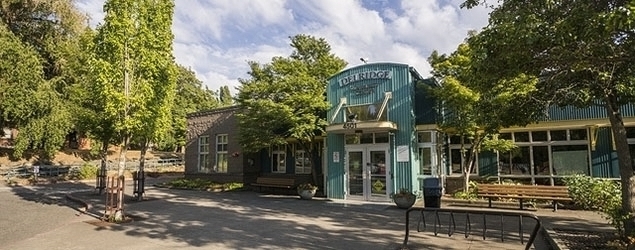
column 363, row 127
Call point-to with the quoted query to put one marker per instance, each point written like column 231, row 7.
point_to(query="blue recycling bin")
column 432, row 192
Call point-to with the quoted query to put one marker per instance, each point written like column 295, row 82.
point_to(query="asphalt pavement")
column 41, row 217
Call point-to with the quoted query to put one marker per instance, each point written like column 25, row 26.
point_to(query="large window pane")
column 577, row 134
column 425, row 137
column 455, row 161
column 521, row 136
column 539, row 136
column 381, row 138
column 630, row 132
column 521, row 162
column 541, row 160
column 367, row 138
column 352, row 139
column 558, row 135
column 221, row 163
column 570, row 159
column 425, row 161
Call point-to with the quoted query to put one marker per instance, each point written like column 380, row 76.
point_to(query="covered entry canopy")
column 362, row 127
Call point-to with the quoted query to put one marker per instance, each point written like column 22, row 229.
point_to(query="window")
column 278, row 156
column 203, row 154
column 548, row 153
column 366, row 138
column 302, row 162
column 425, row 137
column 425, row 161
column 455, row 160
column 221, row 154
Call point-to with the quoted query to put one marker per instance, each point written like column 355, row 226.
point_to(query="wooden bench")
column 274, row 182
column 524, row 192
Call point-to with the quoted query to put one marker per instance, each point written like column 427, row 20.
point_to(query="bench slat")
column 523, row 192
column 274, row 182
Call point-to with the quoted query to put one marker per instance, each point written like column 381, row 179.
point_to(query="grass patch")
column 200, row 184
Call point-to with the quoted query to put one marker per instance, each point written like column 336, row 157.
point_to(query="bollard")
column 138, row 178
column 101, row 180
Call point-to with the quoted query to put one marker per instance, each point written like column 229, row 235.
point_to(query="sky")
column 216, row 38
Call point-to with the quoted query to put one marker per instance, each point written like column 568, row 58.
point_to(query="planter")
column 404, row 201
column 306, row 194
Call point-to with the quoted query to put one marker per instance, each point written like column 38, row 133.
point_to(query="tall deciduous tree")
column 44, row 33
column 469, row 115
column 135, row 71
column 225, row 96
column 190, row 97
column 574, row 52
column 286, row 99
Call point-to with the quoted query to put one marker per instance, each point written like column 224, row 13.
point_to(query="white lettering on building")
column 378, row 74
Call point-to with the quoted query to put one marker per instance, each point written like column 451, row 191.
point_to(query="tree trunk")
column 141, row 173
column 625, row 163
column 103, row 157
column 464, row 168
column 120, row 173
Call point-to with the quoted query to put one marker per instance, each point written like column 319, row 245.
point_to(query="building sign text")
column 377, row 74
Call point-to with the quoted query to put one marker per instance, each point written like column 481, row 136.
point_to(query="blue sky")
column 216, row 38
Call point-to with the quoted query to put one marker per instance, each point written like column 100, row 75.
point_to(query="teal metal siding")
column 604, row 163
column 487, row 163
column 402, row 113
column 335, row 170
column 597, row 111
column 425, row 105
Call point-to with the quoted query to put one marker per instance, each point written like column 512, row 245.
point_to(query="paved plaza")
column 186, row 219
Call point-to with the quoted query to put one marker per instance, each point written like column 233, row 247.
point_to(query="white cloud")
column 217, row 38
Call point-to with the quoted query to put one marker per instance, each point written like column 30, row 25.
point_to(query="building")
column 383, row 136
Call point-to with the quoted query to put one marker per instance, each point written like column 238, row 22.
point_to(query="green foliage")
column 190, row 97
column 87, row 171
column 225, row 96
column 306, row 186
column 470, row 194
column 134, row 72
column 200, row 184
column 602, row 195
column 40, row 54
column 286, row 98
column 561, row 53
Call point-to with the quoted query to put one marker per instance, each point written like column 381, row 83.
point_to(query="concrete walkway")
column 185, row 219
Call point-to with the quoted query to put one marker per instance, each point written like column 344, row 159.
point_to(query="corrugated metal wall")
column 487, row 163
column 597, row 111
column 399, row 110
column 402, row 112
column 335, row 170
column 604, row 162
column 425, row 105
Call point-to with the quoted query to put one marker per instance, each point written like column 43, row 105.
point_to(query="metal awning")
column 363, row 127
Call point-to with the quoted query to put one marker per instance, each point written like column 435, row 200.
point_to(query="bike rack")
column 468, row 223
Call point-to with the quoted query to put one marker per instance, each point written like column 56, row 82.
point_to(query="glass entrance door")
column 368, row 174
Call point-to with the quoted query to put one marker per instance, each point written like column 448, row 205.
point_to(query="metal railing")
column 471, row 214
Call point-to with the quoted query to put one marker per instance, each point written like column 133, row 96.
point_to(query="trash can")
column 432, row 192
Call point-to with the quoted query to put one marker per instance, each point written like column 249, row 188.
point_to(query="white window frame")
column 278, row 159
column 203, row 154
column 302, row 166
column 222, row 160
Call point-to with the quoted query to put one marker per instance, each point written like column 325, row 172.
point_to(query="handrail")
column 468, row 226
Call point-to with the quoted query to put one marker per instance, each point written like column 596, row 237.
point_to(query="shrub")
column 470, row 195
column 602, row 195
column 87, row 171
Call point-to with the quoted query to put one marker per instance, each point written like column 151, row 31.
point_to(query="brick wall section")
column 212, row 123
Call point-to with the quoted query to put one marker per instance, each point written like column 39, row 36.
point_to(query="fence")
column 61, row 170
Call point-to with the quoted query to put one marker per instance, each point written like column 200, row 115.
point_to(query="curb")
column 84, row 205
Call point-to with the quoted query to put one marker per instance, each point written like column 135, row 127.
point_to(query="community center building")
column 383, row 135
